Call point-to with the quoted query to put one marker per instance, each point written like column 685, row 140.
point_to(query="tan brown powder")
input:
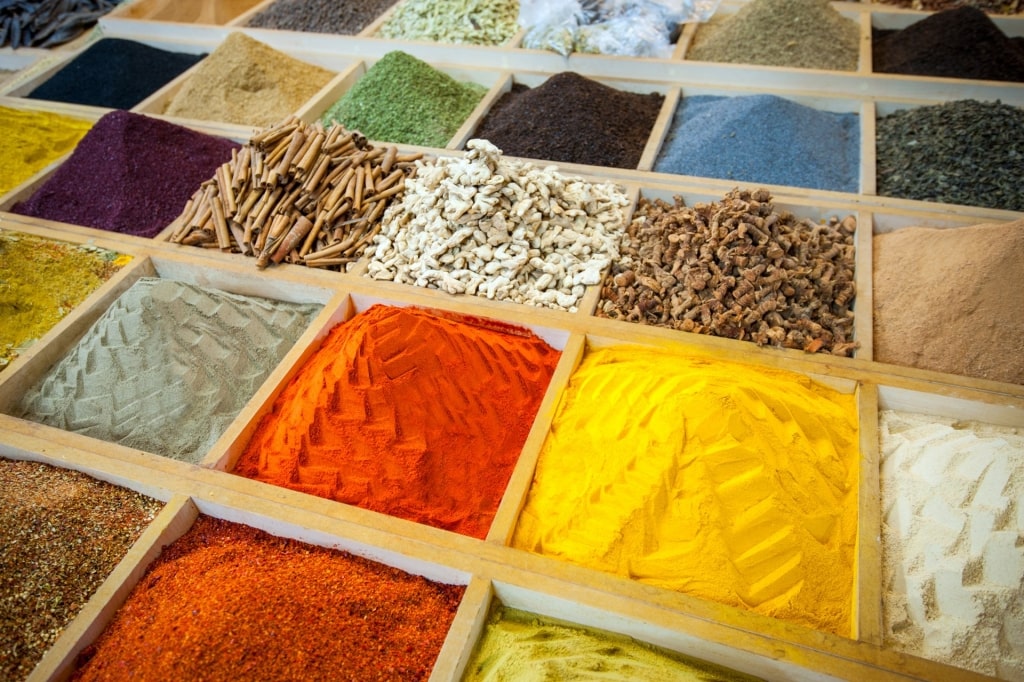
column 950, row 300
column 247, row 82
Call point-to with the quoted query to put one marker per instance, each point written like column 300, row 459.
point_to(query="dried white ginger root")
column 507, row 230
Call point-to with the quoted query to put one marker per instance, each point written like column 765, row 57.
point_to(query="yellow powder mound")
column 716, row 479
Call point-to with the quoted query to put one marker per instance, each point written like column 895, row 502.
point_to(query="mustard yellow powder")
column 31, row 140
column 716, row 479
column 41, row 281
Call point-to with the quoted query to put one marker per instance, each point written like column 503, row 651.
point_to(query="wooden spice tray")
column 489, row 568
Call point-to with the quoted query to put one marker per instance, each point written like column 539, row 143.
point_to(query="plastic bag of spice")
column 636, row 28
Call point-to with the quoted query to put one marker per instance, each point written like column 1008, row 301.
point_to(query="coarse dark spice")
column 321, row 16
column 114, row 73
column 61, row 534
column 990, row 6
column 129, row 174
column 404, row 100
column 763, row 139
column 962, row 152
column 807, row 34
column 572, row 119
column 956, row 43
column 737, row 269
column 229, row 602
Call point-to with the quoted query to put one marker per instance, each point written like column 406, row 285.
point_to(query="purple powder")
column 130, row 174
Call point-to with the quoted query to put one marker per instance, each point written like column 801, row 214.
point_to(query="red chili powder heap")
column 229, row 602
column 409, row 414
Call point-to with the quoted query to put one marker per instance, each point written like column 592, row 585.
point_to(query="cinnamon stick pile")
column 296, row 192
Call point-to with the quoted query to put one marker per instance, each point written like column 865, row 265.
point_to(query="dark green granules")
column 963, row 152
column 807, row 34
column 404, row 100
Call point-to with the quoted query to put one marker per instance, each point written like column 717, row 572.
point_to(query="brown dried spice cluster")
column 738, row 269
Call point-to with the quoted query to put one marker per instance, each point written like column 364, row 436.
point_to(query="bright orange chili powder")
column 229, row 602
column 407, row 413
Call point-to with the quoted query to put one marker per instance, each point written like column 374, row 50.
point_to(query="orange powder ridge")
column 409, row 414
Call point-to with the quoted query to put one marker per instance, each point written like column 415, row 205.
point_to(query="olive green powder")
column 807, row 34
column 404, row 100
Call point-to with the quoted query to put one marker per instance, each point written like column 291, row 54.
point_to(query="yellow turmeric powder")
column 31, row 140
column 720, row 480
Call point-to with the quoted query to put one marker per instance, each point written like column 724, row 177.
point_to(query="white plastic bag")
column 639, row 28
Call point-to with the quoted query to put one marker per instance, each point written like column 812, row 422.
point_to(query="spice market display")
column 483, row 339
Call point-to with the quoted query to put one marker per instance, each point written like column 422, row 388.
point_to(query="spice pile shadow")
column 347, row 17
column 956, row 43
column 807, row 34
column 31, row 140
column 962, row 152
column 130, row 174
column 229, row 602
column 404, row 100
column 572, row 119
column 167, row 367
column 42, row 281
column 114, row 73
column 409, row 414
column 61, row 535
column 247, row 82
column 763, row 139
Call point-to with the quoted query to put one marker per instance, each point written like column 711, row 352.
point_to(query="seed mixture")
column 348, row 17
column 61, row 534
column 737, row 269
column 467, row 22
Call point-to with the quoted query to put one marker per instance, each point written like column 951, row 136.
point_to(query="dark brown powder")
column 572, row 119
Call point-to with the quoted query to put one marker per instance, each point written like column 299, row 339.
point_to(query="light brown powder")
column 247, row 82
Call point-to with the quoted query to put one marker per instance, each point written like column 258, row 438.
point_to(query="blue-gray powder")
column 762, row 139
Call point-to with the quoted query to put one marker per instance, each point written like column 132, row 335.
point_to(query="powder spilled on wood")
column 247, row 82
column 409, row 414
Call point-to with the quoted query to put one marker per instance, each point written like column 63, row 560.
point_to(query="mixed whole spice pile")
column 737, row 268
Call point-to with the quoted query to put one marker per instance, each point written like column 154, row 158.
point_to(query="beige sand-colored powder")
column 247, row 82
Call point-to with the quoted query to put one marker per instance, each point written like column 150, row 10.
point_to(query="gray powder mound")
column 950, row 300
column 763, row 139
column 167, row 368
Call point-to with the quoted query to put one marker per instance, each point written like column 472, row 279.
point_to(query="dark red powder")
column 130, row 174
column 229, row 602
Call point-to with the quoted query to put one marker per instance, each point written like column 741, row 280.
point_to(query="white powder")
column 953, row 541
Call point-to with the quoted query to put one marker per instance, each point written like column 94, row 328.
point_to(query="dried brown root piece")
column 737, row 269
column 297, row 193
